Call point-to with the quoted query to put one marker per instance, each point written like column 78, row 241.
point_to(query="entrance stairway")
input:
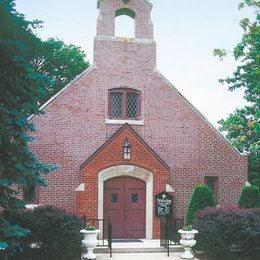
column 136, row 246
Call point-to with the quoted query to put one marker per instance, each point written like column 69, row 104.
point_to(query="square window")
column 134, row 197
column 114, row 198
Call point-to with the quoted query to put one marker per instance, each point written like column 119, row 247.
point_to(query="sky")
column 186, row 32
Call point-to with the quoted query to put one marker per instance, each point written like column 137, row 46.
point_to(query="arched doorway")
column 125, row 205
column 134, row 172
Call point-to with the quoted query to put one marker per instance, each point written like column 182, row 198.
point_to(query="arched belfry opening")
column 125, row 23
column 133, row 17
column 124, row 32
column 125, row 11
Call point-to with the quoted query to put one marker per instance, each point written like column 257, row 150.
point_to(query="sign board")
column 163, row 205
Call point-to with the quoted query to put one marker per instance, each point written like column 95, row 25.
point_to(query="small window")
column 114, row 198
column 124, row 104
column 134, row 197
column 30, row 194
column 212, row 182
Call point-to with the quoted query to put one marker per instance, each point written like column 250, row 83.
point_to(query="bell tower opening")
column 133, row 14
column 125, row 23
column 124, row 32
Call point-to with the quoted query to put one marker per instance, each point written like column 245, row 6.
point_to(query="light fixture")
column 127, row 150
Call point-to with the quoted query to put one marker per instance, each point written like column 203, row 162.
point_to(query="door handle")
column 126, row 212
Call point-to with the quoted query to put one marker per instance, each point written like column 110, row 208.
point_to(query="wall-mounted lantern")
column 127, row 150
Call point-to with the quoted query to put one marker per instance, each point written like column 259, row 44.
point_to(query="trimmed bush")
column 55, row 234
column 202, row 197
column 257, row 205
column 250, row 197
column 228, row 233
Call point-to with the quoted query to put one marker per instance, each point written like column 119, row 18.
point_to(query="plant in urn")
column 90, row 241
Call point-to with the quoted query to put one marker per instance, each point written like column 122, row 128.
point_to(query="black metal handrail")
column 109, row 236
column 106, row 231
column 169, row 232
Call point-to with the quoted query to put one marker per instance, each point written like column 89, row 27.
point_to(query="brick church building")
column 122, row 133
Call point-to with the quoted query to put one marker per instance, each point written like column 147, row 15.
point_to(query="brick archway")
column 130, row 171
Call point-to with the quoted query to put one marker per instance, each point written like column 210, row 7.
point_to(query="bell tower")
column 130, row 53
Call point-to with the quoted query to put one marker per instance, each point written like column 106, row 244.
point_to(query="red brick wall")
column 74, row 125
column 112, row 155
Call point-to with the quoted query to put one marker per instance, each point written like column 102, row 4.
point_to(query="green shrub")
column 257, row 205
column 202, row 197
column 250, row 197
column 55, row 234
column 228, row 233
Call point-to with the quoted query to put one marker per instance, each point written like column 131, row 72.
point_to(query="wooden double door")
column 124, row 204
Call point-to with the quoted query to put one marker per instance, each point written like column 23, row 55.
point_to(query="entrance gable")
column 108, row 162
column 111, row 152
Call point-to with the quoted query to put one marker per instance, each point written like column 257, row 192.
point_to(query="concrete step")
column 137, row 246
column 105, row 250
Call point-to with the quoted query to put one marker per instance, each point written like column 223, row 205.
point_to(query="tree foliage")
column 60, row 62
column 21, row 89
column 242, row 127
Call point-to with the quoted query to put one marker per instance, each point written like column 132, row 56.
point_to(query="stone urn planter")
column 187, row 242
column 90, row 242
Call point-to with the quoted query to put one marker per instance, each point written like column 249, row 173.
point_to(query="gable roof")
column 198, row 112
column 89, row 69
column 64, row 89
column 115, row 135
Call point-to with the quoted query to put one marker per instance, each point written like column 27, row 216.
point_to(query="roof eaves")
column 198, row 112
column 63, row 90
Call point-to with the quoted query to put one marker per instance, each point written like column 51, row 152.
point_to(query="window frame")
column 215, row 181
column 124, row 92
column 35, row 198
